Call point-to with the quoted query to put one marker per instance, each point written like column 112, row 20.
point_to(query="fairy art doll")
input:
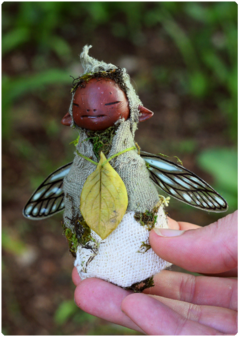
column 110, row 192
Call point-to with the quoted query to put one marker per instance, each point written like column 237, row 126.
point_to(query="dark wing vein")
column 183, row 184
column 47, row 200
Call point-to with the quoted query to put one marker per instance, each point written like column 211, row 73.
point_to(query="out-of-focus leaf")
column 5, row 331
column 12, row 244
column 12, row 89
column 198, row 84
column 14, row 38
column 2, row 267
column 214, row 62
column 64, row 312
column 196, row 11
column 61, row 47
column 104, row 199
column 187, row 146
column 83, row 317
column 222, row 164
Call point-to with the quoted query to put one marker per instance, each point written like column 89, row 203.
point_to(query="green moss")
column 81, row 235
column 147, row 218
column 83, row 231
column 144, row 247
column 138, row 148
column 179, row 160
column 72, row 240
column 113, row 74
column 101, row 140
column 75, row 142
column 82, row 79
column 140, row 286
column 163, row 155
column 147, row 165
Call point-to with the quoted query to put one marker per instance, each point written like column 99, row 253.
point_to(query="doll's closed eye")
column 75, row 104
column 113, row 103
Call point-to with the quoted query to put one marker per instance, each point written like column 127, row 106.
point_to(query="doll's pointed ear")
column 144, row 113
column 67, row 119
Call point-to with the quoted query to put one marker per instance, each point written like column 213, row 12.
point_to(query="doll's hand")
column 179, row 303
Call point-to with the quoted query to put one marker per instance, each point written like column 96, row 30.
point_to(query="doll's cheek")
column 125, row 113
column 77, row 118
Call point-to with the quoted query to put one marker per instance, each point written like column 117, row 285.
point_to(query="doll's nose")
column 91, row 110
column 67, row 119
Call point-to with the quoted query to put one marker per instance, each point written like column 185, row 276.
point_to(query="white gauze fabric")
column 119, row 258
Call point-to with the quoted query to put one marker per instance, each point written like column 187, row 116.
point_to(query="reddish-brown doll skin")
column 99, row 105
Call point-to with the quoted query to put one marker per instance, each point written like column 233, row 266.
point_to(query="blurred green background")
column 182, row 58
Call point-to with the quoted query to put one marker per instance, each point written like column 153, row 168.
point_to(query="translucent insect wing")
column 48, row 199
column 183, row 184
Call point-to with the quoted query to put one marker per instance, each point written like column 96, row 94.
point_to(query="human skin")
column 179, row 303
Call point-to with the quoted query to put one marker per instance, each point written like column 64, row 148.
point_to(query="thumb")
column 211, row 249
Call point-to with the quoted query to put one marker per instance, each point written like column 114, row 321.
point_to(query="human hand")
column 179, row 303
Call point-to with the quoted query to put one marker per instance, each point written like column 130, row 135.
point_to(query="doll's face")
column 99, row 105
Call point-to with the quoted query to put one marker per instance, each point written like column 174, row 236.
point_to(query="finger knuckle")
column 194, row 312
column 229, row 257
column 180, row 326
column 187, row 288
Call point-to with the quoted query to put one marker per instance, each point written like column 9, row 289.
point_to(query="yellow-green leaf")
column 104, row 199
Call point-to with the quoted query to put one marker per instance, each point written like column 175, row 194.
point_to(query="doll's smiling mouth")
column 98, row 116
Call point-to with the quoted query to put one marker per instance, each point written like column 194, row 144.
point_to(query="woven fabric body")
column 119, row 258
column 115, row 259
column 142, row 194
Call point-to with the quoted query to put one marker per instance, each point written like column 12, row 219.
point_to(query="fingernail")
column 167, row 232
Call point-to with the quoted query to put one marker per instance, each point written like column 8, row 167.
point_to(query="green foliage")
column 72, row 240
column 5, row 331
column 2, row 266
column 75, row 141
column 222, row 165
column 186, row 146
column 69, row 311
column 83, row 317
column 15, row 88
column 12, row 243
column 208, row 50
column 65, row 310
